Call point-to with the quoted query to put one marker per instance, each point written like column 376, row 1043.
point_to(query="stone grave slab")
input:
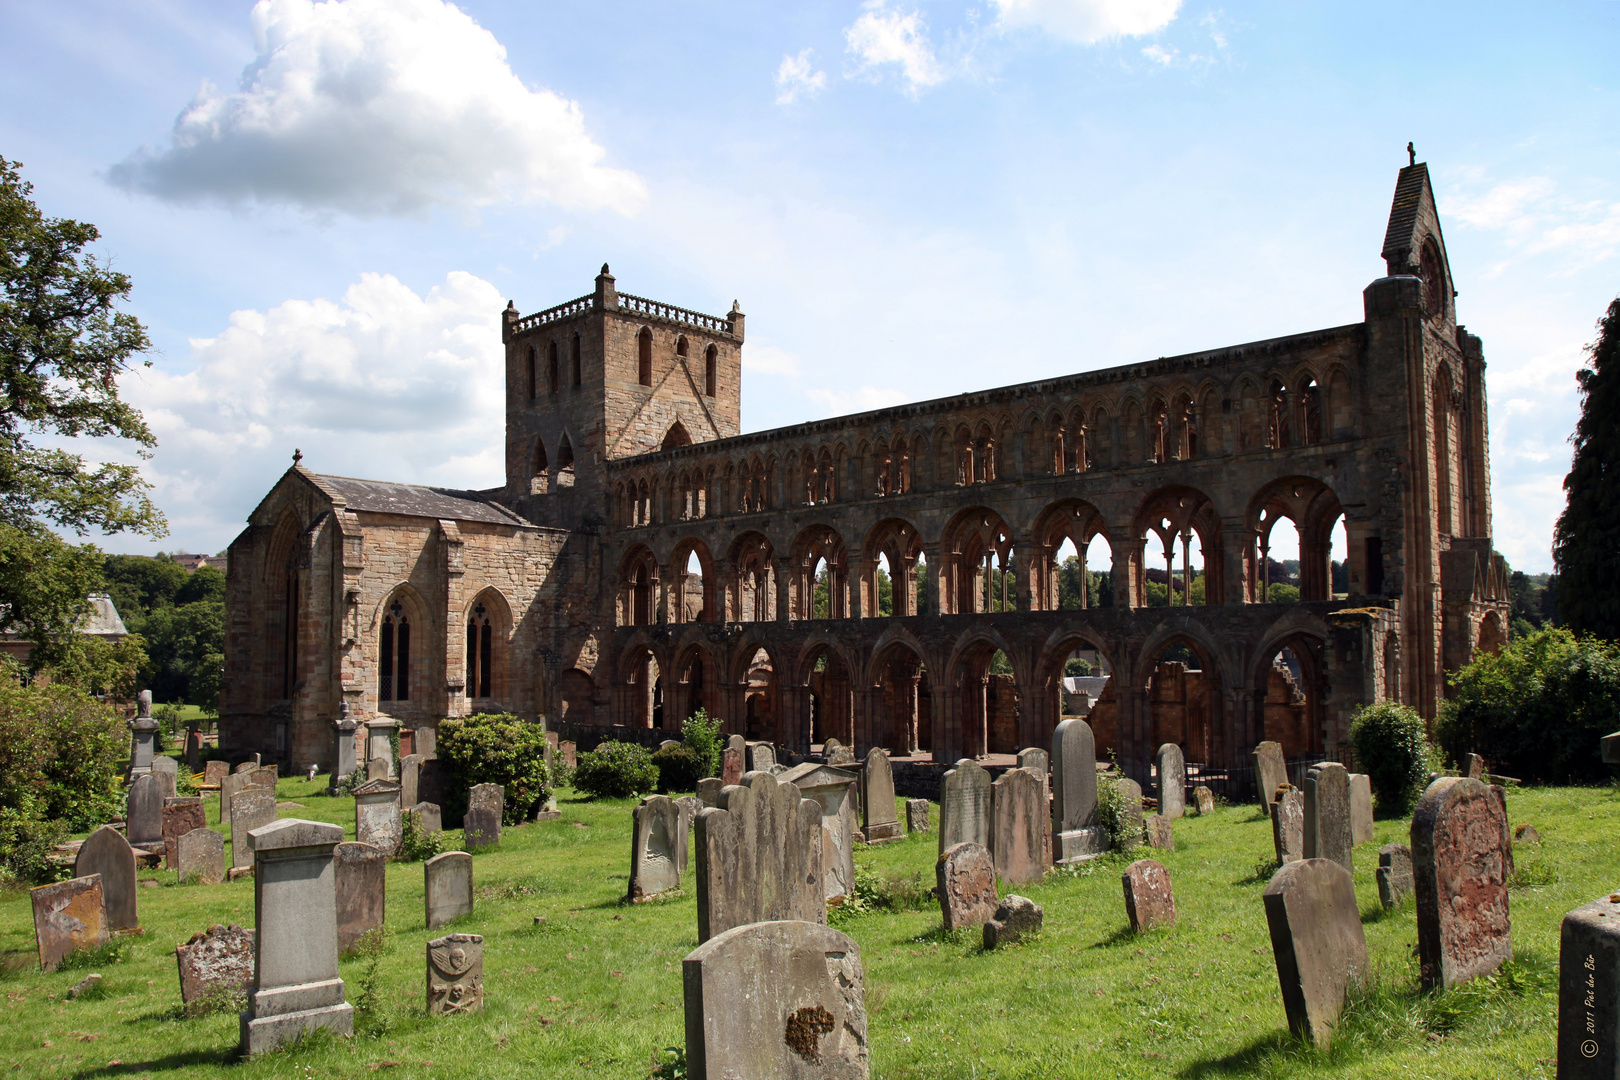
column 215, row 772
column 731, row 766
column 410, row 779
column 759, row 857
column 361, row 885
column 1077, row 834
column 228, row 790
column 966, row 805
column 455, row 974
column 657, row 837
column 167, row 770
column 201, row 857
column 880, row 819
column 1149, row 901
column 833, row 789
column 1130, row 797
column 1203, row 800
column 761, row 757
column 1461, row 861
column 1019, row 807
column 1172, row 781
column 1288, row 825
column 215, row 963
column 428, row 817
column 708, row 790
column 1158, row 833
column 1317, row 942
column 68, row 916
column 1016, row 917
column 449, row 887
column 1394, row 874
column 1589, row 991
column 965, row 883
column 378, row 769
column 1270, row 770
column 143, row 818
column 180, row 816
column 481, row 827
column 376, row 816
column 1361, row 809
column 109, row 855
column 917, row 815
column 1327, row 814
column 251, row 808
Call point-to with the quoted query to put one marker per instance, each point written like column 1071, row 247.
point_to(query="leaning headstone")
column 68, row 916
column 376, row 816
column 108, row 854
column 1172, row 767
column 1394, row 874
column 708, row 791
column 201, row 857
column 1019, row 805
column 455, row 974
column 1149, row 902
column 448, row 892
column 361, row 886
column 761, row 757
column 251, row 808
column 249, row 765
column 759, row 857
column 965, row 882
column 1158, row 833
column 1288, row 825
column 1474, row 767
column 1317, row 942
column 215, row 772
column 966, row 803
column 481, row 826
column 410, row 776
column 879, row 819
column 215, row 964
column 143, row 820
column 657, row 837
column 428, row 818
column 1327, row 814
column 1589, row 991
column 1461, row 861
column 228, row 789
column 1361, row 810
column 1270, row 770
column 916, row 815
column 296, row 987
column 1204, row 800
column 180, row 816
column 167, row 770
column 264, row 776
column 1015, row 917
column 776, row 1000
column 1077, row 834
column 731, row 766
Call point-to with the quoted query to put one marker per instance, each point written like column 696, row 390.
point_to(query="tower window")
column 574, row 358
column 551, row 367
column 394, row 657
column 531, row 382
column 710, row 365
column 644, row 357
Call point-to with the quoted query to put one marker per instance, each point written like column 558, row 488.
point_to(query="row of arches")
column 548, row 375
column 544, row 474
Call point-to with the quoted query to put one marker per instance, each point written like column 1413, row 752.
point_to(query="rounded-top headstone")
column 1317, row 942
column 1172, row 767
column 107, row 853
column 1461, row 860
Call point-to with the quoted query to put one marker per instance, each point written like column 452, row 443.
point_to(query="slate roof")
column 414, row 500
column 1403, row 212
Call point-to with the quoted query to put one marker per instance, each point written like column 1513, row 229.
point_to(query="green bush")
column 1122, row 823
column 1537, row 708
column 492, row 748
column 1392, row 749
column 615, row 770
column 27, row 839
column 679, row 769
column 416, row 844
column 701, row 734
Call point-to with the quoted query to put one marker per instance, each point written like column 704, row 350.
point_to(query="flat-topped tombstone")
column 1077, row 834
column 966, row 803
column 214, row 964
column 916, row 815
column 1288, row 825
column 481, row 827
column 429, row 819
column 780, row 1000
column 1172, row 769
column 1015, row 917
column 708, row 790
column 379, row 769
column 251, row 808
column 143, row 820
column 264, row 776
column 1361, row 809
column 731, row 766
column 449, row 887
column 296, row 987
column 1394, row 874
column 201, row 857
column 180, row 816
column 1317, row 942
column 1019, row 807
column 761, row 757
column 455, row 974
column 1474, row 767
column 1158, row 833
column 759, row 857
column 1203, row 800
column 965, row 882
column 167, row 770
column 879, row 818
column 1589, row 991
column 361, row 885
column 376, row 815
column 1270, row 770
column 68, row 916
column 1327, row 814
column 108, row 854
column 657, row 837
column 215, row 772
column 1149, row 902
column 410, row 777
column 1461, row 860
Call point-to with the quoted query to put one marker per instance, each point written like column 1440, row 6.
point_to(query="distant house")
column 102, row 621
column 196, row 562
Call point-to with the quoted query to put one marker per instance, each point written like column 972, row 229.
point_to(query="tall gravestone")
column 361, row 889
column 657, row 837
column 1019, row 807
column 68, row 916
column 229, row 785
column 1149, row 901
column 167, row 770
column 143, row 735
column 380, row 743
column 1461, row 861
column 448, row 887
column 1039, row 762
column 455, row 974
column 1077, row 834
column 1317, row 942
column 193, row 747
column 180, row 816
column 965, row 883
column 481, row 827
column 1361, row 809
column 1327, row 814
column 108, row 854
column 201, row 857
column 758, row 857
column 143, row 820
column 1589, row 991
column 833, row 789
column 731, row 766
column 1270, row 770
column 1172, row 769
column 410, row 776
column 1130, row 801
column 880, row 819
column 779, row 1000
column 1288, row 826
column 343, row 756
column 296, row 988
column 376, row 815
column 966, row 804
column 251, row 808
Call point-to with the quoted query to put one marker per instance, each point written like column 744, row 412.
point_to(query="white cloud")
column 1536, row 218
column 881, row 36
column 797, row 77
column 769, row 360
column 843, row 402
column 379, row 107
column 1161, row 55
column 1088, row 22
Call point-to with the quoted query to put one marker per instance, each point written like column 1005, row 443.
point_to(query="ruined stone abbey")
column 860, row 577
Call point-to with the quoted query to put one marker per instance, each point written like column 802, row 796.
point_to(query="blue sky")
column 324, row 206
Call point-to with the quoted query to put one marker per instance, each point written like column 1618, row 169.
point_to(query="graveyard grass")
column 595, row 990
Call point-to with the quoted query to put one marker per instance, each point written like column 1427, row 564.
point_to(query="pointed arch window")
column 394, row 656
column 480, row 654
column 644, row 357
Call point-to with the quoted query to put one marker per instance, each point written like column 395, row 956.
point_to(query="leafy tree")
column 140, row 584
column 1392, row 748
column 1076, row 667
column 1586, row 540
column 885, row 590
column 490, row 748
column 700, row 733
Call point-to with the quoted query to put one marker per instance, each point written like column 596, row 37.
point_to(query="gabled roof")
column 1411, row 191
column 412, row 500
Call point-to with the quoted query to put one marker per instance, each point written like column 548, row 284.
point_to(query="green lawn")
column 595, row 991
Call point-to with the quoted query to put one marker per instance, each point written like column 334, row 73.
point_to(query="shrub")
column 416, row 844
column 492, row 748
column 701, row 734
column 1393, row 751
column 679, row 768
column 1537, row 708
column 1122, row 823
column 615, row 770
column 27, row 839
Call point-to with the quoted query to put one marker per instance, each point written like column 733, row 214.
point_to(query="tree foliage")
column 181, row 617
column 495, row 748
column 1586, row 540
column 616, row 770
column 1393, row 750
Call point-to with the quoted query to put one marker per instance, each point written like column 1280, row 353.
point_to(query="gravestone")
column 1474, row 767
column 1157, row 832
column 361, row 885
column 193, row 748
column 657, row 837
column 1526, row 834
column 1203, row 800
column 1589, row 991
column 731, row 766
column 448, row 892
column 879, row 819
column 143, row 735
column 481, row 827
column 916, row 815
column 228, row 788
column 108, row 854
column 569, row 753
column 1172, row 766
column 376, row 816
column 410, row 775
column 180, row 816
column 380, row 744
column 1149, row 901
column 215, row 772
column 201, row 857
column 966, row 804
column 1015, row 917
column 1288, row 826
column 343, row 755
column 379, row 769
column 689, row 807
column 428, row 818
column 251, row 808
column 1361, row 810
column 263, row 776
column 167, row 770
column 143, row 820
column 1130, row 800
column 1461, row 861
column 1394, row 874
column 1270, row 770
column 1038, row 761
column 708, row 790
column 1076, row 832
column 1317, row 943
column 833, row 790
column 965, row 884
column 426, row 741
column 1019, row 805
column 455, row 974
column 296, row 987
column 737, row 743
column 68, row 916
column 1035, row 760
column 759, row 857
column 761, row 757
column 433, row 782
column 213, row 964
column 837, row 753
column 771, row 1000
column 1327, row 814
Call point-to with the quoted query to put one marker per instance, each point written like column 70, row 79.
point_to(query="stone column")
column 783, row 573
column 1026, row 555
column 1237, row 549
column 343, row 745
column 855, row 579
